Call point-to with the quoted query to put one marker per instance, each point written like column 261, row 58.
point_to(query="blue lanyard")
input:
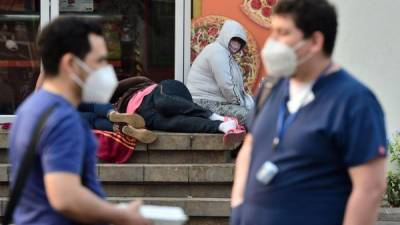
column 282, row 124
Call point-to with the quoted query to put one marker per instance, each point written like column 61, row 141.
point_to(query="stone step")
column 390, row 214
column 200, row 207
column 167, row 190
column 172, row 190
column 165, row 157
column 201, row 211
column 207, row 190
column 387, row 223
column 170, row 148
column 196, row 220
column 147, row 173
column 197, row 207
column 181, row 156
column 218, row 207
column 169, row 141
column 141, row 180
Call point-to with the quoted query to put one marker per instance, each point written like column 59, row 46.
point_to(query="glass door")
column 139, row 33
column 144, row 37
column 19, row 63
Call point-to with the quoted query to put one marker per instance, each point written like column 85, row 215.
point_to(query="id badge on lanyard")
column 267, row 172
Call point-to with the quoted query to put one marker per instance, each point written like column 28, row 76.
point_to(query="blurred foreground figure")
column 61, row 186
column 317, row 144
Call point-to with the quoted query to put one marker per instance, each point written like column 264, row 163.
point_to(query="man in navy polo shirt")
column 316, row 150
column 62, row 187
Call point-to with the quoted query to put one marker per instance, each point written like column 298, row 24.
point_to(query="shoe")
column 234, row 136
column 134, row 120
column 238, row 125
column 142, row 135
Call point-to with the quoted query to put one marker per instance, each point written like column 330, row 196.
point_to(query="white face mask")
column 234, row 46
column 280, row 59
column 100, row 84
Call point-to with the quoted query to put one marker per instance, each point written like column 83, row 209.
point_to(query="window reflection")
column 139, row 34
column 19, row 64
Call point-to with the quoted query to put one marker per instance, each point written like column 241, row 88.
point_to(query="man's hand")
column 68, row 197
column 132, row 215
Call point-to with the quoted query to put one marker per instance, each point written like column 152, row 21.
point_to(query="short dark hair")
column 65, row 35
column 311, row 16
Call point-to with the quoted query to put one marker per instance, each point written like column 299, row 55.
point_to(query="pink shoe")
column 234, row 136
column 238, row 125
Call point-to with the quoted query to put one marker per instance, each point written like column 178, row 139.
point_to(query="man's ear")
column 317, row 40
column 67, row 64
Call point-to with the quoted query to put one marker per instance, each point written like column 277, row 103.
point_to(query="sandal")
column 142, row 135
column 135, row 120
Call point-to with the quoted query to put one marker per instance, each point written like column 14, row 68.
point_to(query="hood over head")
column 229, row 30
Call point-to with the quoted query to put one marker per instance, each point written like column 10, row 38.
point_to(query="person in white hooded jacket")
column 216, row 80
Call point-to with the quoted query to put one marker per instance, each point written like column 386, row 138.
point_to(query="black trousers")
column 170, row 107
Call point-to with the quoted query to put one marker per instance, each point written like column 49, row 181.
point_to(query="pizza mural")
column 259, row 11
column 205, row 30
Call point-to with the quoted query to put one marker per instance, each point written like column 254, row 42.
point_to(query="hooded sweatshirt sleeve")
column 219, row 65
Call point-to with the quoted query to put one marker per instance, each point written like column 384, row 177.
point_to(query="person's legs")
column 156, row 120
column 101, row 110
column 103, row 116
column 176, row 88
column 173, row 98
column 103, row 124
column 89, row 118
column 178, row 123
column 96, row 122
column 183, row 123
column 224, row 109
column 86, row 107
column 188, row 124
